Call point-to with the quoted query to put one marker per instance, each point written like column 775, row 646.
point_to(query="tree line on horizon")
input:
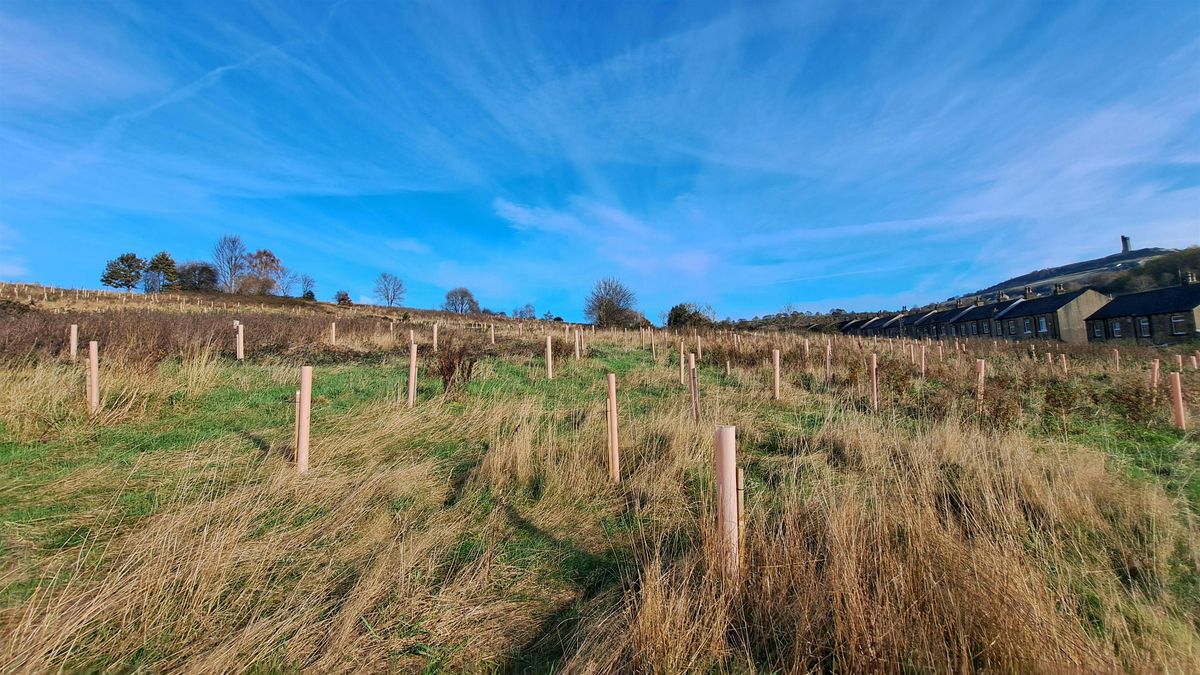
column 235, row 269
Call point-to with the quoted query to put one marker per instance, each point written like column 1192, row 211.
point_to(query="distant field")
column 1053, row 526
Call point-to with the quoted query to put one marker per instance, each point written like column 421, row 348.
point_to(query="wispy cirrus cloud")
column 746, row 156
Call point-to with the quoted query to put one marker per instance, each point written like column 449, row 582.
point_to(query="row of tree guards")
column 687, row 373
column 729, row 477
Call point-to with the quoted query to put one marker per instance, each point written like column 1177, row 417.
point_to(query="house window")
column 1178, row 324
column 1028, row 326
column 1041, row 324
column 1144, row 326
column 1012, row 326
column 999, row 328
column 974, row 328
column 1098, row 329
column 987, row 327
column 1116, row 328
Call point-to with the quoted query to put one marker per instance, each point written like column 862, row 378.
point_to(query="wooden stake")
column 699, row 348
column 1179, row 362
column 1177, row 402
column 725, row 459
column 1062, row 360
column 654, row 348
column 741, row 492
column 922, row 360
column 1154, row 375
column 682, row 375
column 614, row 448
column 1117, row 359
column 694, row 386
column 74, row 342
column 828, row 362
column 306, row 375
column 296, row 424
column 549, row 359
column 578, row 341
column 241, row 342
column 412, row 373
column 492, row 333
column 333, row 333
column 94, row 377
column 775, row 374
column 435, row 340
column 980, row 376
column 874, row 381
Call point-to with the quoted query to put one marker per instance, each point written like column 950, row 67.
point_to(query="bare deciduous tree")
column 462, row 301
column 611, row 304
column 308, row 286
column 229, row 258
column 390, row 289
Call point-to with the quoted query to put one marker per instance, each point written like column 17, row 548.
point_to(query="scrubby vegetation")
column 1052, row 527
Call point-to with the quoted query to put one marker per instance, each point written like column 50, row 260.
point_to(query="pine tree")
column 124, row 271
column 161, row 273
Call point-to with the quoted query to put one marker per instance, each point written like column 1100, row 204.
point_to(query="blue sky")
column 858, row 155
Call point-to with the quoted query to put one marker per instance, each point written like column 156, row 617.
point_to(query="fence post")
column 1154, row 375
column 725, row 452
column 1117, row 359
column 614, row 448
column 492, row 333
column 578, row 341
column 94, row 377
column 1062, row 359
column 74, row 342
column 775, row 374
column 241, row 344
column 653, row 347
column 1177, row 403
column 699, row 348
column 435, row 340
column 549, row 359
column 333, row 333
column 922, row 361
column 874, row 381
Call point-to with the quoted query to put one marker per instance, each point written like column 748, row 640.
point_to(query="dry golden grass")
column 1043, row 531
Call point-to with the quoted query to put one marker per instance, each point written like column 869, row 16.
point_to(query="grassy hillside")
column 1051, row 527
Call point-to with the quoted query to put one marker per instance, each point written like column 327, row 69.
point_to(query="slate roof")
column 912, row 319
column 1158, row 301
column 976, row 313
column 944, row 316
column 889, row 322
column 1043, row 305
column 871, row 323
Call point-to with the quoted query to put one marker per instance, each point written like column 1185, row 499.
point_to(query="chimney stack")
column 1125, row 244
column 1189, row 278
column 1002, row 297
column 1059, row 289
column 958, row 303
column 979, row 301
column 1029, row 292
